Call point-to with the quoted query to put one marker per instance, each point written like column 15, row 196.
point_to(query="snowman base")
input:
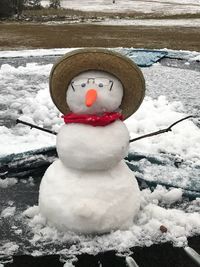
column 89, row 201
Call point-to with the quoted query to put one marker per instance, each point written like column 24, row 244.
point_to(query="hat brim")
column 81, row 60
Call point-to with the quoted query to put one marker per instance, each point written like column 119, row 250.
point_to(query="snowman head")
column 96, row 80
column 94, row 92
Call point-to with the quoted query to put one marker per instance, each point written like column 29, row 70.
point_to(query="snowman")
column 90, row 189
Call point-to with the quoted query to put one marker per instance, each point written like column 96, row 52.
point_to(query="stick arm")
column 168, row 129
column 35, row 126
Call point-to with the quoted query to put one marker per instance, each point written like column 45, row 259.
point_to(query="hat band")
column 93, row 120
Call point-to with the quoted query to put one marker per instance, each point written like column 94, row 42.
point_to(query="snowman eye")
column 100, row 84
column 83, row 84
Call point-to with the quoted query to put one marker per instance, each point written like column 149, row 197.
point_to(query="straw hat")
column 80, row 60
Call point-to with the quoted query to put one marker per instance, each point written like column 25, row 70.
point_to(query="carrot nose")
column 90, row 97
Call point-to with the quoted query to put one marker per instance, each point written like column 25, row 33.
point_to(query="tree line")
column 11, row 7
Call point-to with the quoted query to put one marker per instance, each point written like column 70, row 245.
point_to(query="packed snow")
column 156, row 210
column 172, row 93
column 4, row 183
column 91, row 158
column 7, row 212
column 144, row 6
column 89, row 201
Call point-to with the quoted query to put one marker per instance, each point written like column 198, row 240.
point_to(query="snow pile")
column 35, row 52
column 24, row 90
column 155, row 114
column 156, row 210
column 7, row 212
column 4, row 183
column 9, row 248
column 197, row 58
column 171, row 95
column 25, row 95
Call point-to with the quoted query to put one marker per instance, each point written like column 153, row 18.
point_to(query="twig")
column 168, row 129
column 132, row 140
column 35, row 126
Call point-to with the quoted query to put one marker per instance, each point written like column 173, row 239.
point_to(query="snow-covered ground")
column 156, row 7
column 144, row 6
column 131, row 22
column 172, row 93
column 151, row 22
column 25, row 95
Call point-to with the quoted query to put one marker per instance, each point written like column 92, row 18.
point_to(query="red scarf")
column 94, row 120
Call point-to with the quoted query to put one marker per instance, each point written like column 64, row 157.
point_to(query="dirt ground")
column 34, row 35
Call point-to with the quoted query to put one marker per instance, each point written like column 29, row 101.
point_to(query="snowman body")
column 90, row 189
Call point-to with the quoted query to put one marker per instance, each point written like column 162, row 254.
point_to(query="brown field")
column 19, row 35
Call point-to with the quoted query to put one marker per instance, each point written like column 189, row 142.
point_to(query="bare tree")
column 35, row 4
column 11, row 7
column 7, row 8
column 19, row 6
column 55, row 4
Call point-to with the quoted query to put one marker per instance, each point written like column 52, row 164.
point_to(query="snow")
column 20, row 95
column 197, row 58
column 144, row 231
column 7, row 182
column 90, row 159
column 81, row 138
column 155, row 7
column 7, row 212
column 172, row 93
column 25, row 95
column 155, row 114
column 107, row 100
column 89, row 201
column 31, row 211
column 145, row 6
column 151, row 22
column 192, row 55
column 35, row 52
column 173, row 196
column 9, row 248
column 68, row 264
